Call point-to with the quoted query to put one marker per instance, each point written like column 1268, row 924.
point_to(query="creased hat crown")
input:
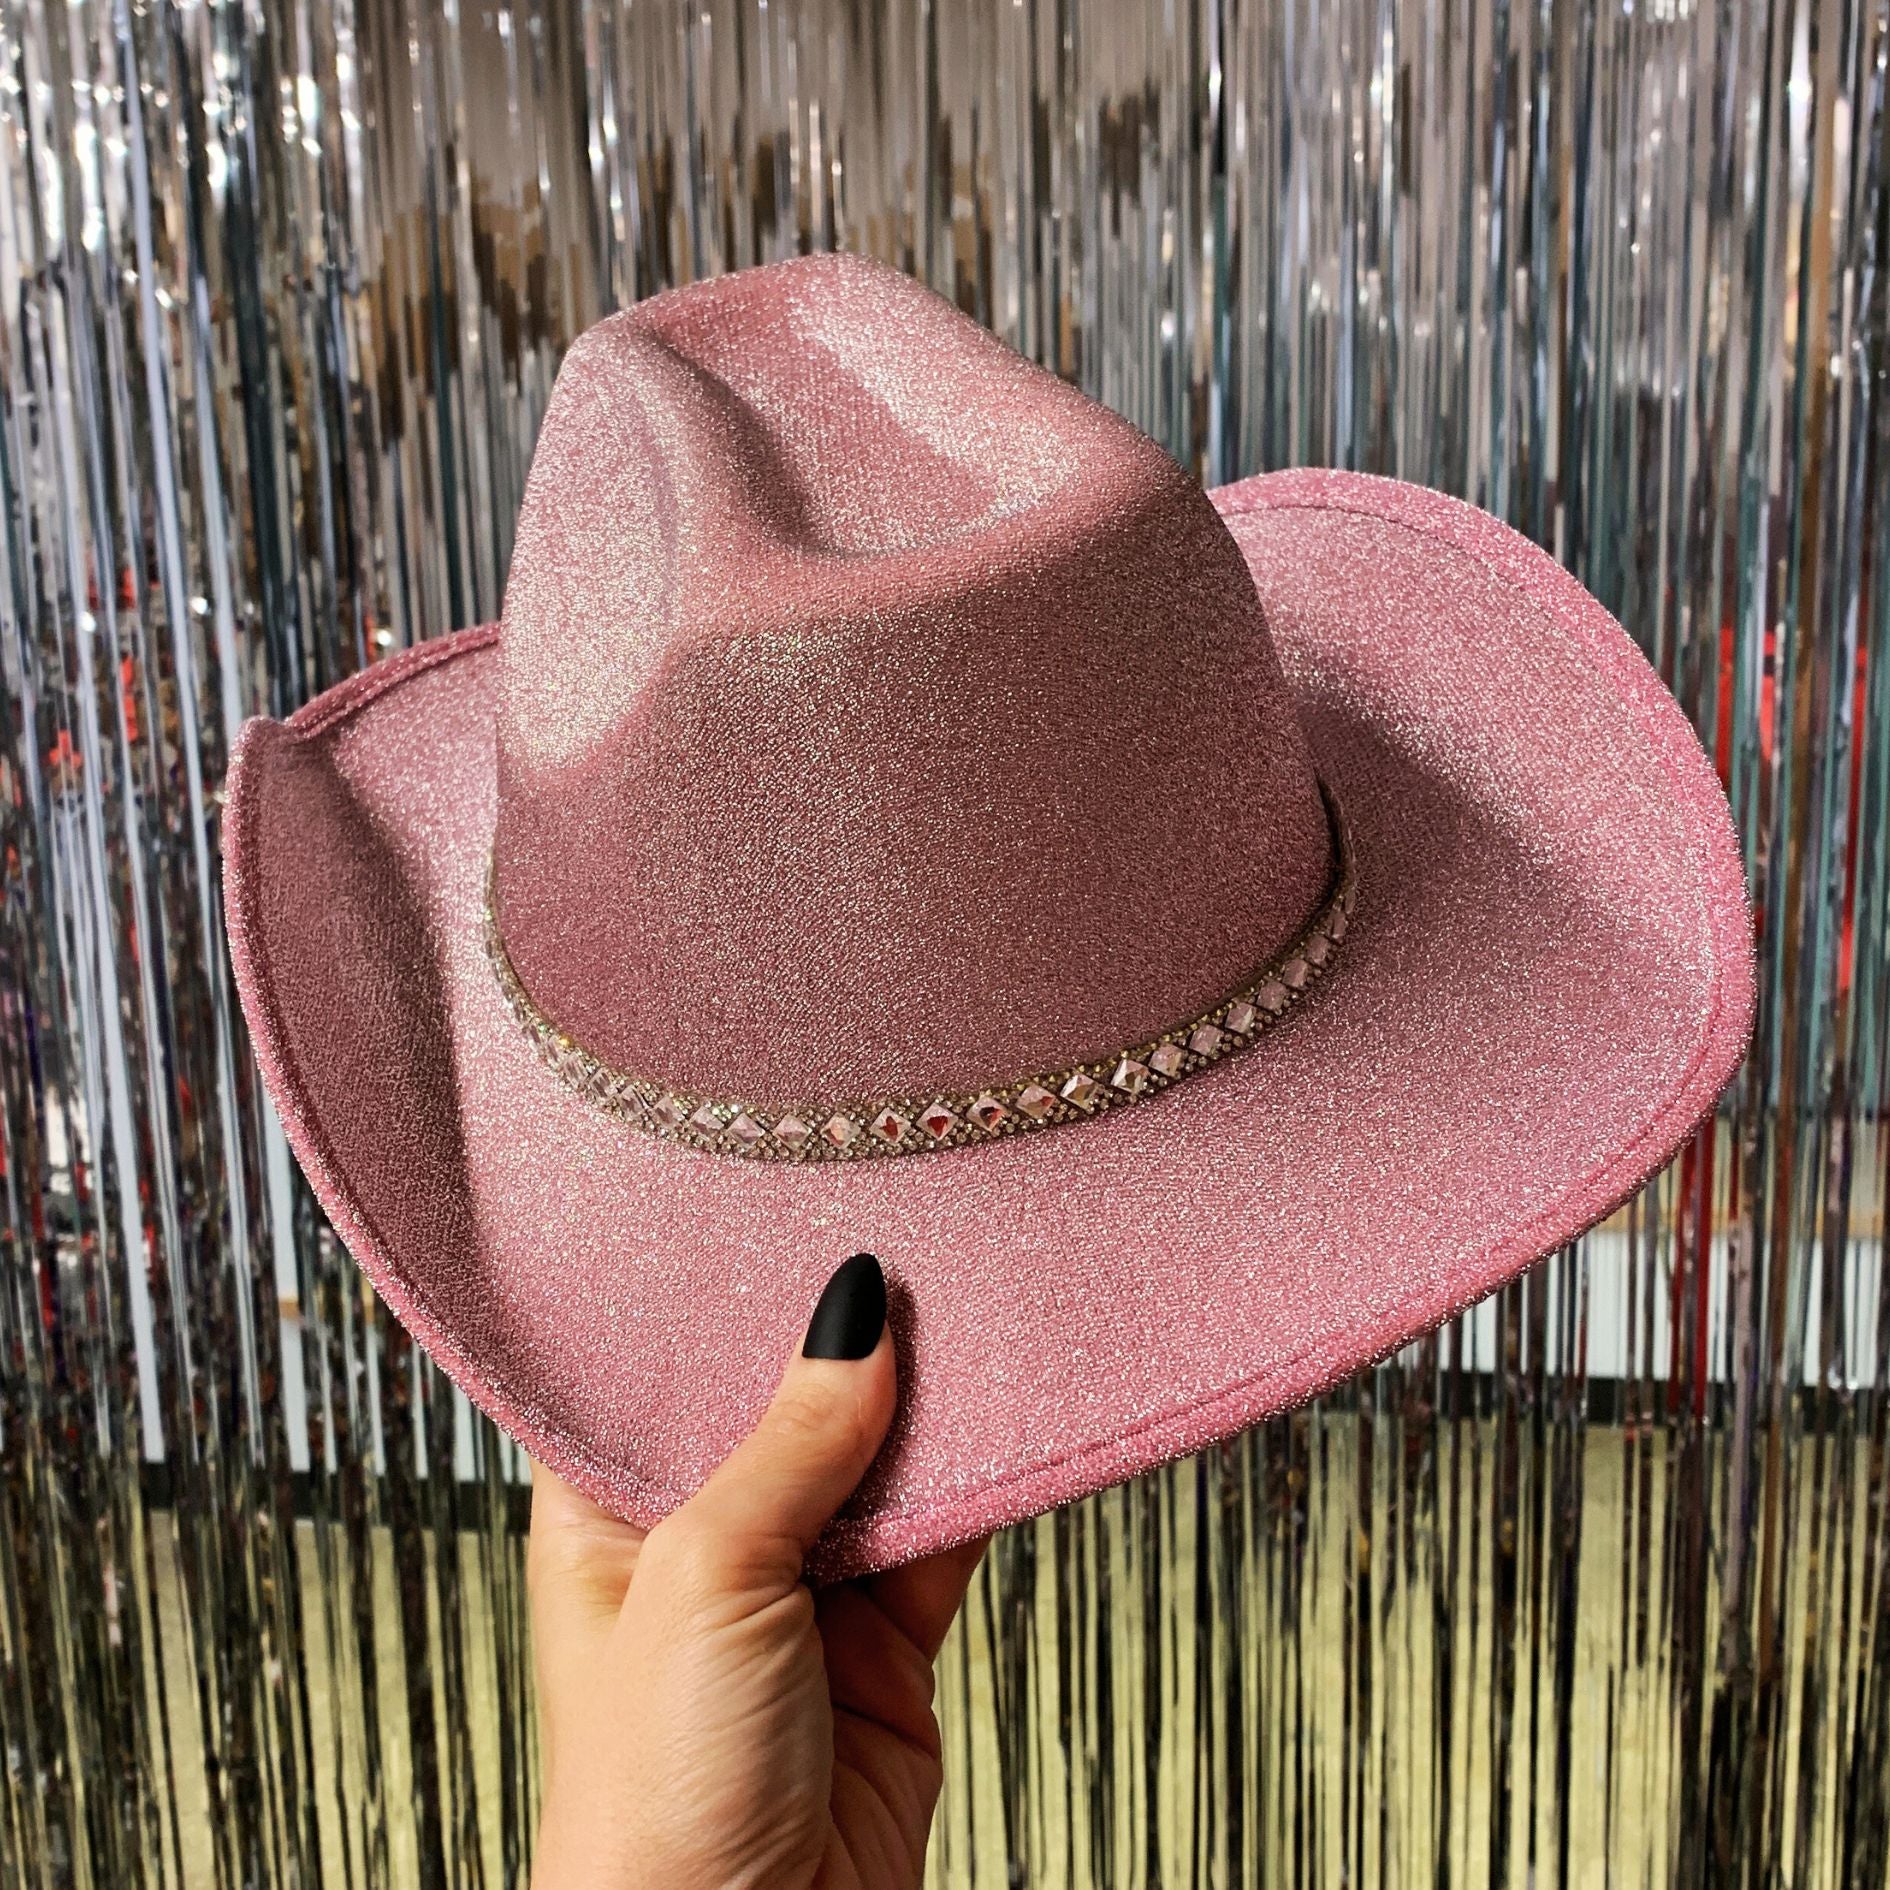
column 878, row 714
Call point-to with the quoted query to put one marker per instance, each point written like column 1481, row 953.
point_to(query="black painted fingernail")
column 851, row 1314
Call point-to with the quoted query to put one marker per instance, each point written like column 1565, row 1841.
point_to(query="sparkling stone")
column 1274, row 995
column 1296, row 973
column 987, row 1112
column 1319, row 948
column 938, row 1122
column 1206, row 1040
column 792, row 1132
column 1240, row 1015
column 1339, row 925
column 668, row 1111
column 706, row 1121
column 841, row 1131
column 889, row 1125
column 1035, row 1101
column 746, row 1130
column 1130, row 1076
column 1082, row 1089
column 1167, row 1058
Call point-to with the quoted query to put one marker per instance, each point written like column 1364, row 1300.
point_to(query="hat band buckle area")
column 853, row 1131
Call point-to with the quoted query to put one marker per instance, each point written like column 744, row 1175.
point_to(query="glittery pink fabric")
column 877, row 715
column 1547, row 982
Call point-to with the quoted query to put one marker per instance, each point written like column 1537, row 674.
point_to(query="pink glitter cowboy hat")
column 1199, row 942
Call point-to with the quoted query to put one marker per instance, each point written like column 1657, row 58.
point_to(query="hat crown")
column 878, row 715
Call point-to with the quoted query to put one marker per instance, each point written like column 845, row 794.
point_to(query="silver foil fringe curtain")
column 1592, row 1587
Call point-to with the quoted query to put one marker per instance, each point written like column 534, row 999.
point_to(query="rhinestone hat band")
column 809, row 1132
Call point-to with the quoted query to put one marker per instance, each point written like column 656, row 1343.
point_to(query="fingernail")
column 851, row 1314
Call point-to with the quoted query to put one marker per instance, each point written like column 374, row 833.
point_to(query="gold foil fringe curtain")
column 1592, row 1587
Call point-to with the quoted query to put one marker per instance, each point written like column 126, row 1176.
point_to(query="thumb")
column 756, row 1517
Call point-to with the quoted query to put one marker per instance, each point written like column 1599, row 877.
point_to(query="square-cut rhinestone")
column 1319, row 948
column 706, row 1121
column 1338, row 925
column 668, row 1111
column 1167, row 1058
column 841, row 1131
column 745, row 1130
column 938, row 1122
column 1205, row 1040
column 1296, row 971
column 1082, row 1089
column 1035, row 1101
column 987, row 1112
column 1130, row 1076
column 1241, row 1015
column 1274, row 996
column 792, row 1132
column 889, row 1125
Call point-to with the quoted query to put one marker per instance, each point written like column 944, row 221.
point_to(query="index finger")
column 922, row 1599
column 580, row 1555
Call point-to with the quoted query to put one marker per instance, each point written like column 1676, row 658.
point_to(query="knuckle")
column 826, row 1421
column 547, row 1560
column 682, row 1554
column 807, row 1418
column 576, row 1570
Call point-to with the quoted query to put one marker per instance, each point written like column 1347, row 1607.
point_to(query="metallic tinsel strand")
column 1593, row 1585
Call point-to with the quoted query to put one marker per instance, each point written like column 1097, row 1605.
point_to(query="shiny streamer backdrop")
column 1591, row 1587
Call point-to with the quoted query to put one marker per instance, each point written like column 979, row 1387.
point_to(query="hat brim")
column 1547, row 982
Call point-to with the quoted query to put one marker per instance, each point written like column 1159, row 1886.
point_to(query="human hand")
column 709, row 1721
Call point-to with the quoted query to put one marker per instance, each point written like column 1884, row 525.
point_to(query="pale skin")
column 709, row 1721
